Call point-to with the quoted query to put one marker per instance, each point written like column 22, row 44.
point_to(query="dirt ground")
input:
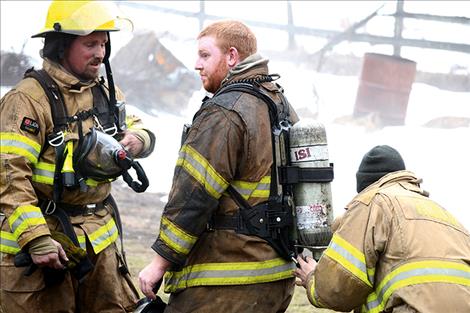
column 140, row 214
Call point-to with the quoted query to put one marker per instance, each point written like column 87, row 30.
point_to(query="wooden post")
column 398, row 28
column 202, row 14
column 290, row 27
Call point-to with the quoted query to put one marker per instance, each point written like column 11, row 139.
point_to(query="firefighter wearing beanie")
column 394, row 249
column 376, row 163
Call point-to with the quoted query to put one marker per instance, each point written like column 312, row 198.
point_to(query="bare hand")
column 306, row 266
column 151, row 274
column 52, row 259
column 131, row 143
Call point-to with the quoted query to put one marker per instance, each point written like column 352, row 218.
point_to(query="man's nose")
column 198, row 65
column 100, row 52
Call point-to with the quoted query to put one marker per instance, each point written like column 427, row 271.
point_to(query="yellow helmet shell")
column 81, row 17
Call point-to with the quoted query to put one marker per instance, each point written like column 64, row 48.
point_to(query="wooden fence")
column 335, row 37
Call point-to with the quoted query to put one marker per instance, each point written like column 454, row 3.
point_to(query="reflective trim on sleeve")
column 415, row 273
column 202, row 171
column 349, row 257
column 104, row 236
column 8, row 243
column 44, row 173
column 237, row 273
column 13, row 143
column 24, row 217
column 253, row 189
column 176, row 238
column 312, row 293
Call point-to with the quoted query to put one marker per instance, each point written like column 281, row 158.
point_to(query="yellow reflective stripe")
column 236, row 273
column 8, row 243
column 253, row 189
column 91, row 182
column 199, row 168
column 130, row 121
column 24, row 217
column 349, row 257
column 417, row 273
column 312, row 292
column 175, row 237
column 371, row 274
column 104, row 236
column 82, row 241
column 44, row 173
column 13, row 143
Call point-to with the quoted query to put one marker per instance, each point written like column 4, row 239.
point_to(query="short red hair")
column 230, row 33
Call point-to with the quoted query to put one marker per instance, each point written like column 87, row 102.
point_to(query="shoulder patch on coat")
column 29, row 125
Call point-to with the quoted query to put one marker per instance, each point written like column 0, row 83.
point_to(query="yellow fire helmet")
column 82, row 18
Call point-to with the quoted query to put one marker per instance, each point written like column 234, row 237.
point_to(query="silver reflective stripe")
column 415, row 274
column 238, row 273
column 23, row 217
column 45, row 173
column 43, row 176
column 203, row 171
column 228, row 273
column 8, row 244
column 177, row 240
column 348, row 256
column 246, row 192
column 20, row 145
column 104, row 237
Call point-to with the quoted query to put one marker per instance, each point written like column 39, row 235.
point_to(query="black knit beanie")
column 376, row 163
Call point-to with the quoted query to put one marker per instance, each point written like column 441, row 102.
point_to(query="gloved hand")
column 74, row 254
column 46, row 252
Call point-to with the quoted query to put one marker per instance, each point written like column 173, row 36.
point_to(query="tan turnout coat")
column 395, row 250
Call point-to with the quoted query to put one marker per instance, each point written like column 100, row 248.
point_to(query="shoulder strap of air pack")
column 276, row 229
column 59, row 118
column 254, row 90
column 56, row 100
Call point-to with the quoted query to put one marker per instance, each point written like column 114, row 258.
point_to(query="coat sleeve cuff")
column 165, row 252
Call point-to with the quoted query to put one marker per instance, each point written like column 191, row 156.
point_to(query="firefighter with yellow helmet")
column 64, row 136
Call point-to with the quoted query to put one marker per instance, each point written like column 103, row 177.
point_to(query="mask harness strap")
column 142, row 182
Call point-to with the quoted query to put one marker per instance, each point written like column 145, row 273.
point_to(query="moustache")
column 96, row 61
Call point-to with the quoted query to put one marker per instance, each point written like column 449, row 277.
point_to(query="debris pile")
column 151, row 77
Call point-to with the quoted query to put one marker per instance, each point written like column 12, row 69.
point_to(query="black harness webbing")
column 85, row 265
column 272, row 220
column 101, row 109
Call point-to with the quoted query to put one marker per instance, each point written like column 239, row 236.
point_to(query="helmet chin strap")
column 109, row 73
column 117, row 108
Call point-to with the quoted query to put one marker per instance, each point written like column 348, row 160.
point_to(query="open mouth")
column 95, row 65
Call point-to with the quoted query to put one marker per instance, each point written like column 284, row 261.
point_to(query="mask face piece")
column 98, row 156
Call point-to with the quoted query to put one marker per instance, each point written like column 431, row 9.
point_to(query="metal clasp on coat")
column 56, row 139
column 283, row 125
column 89, row 209
column 49, row 210
column 109, row 131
